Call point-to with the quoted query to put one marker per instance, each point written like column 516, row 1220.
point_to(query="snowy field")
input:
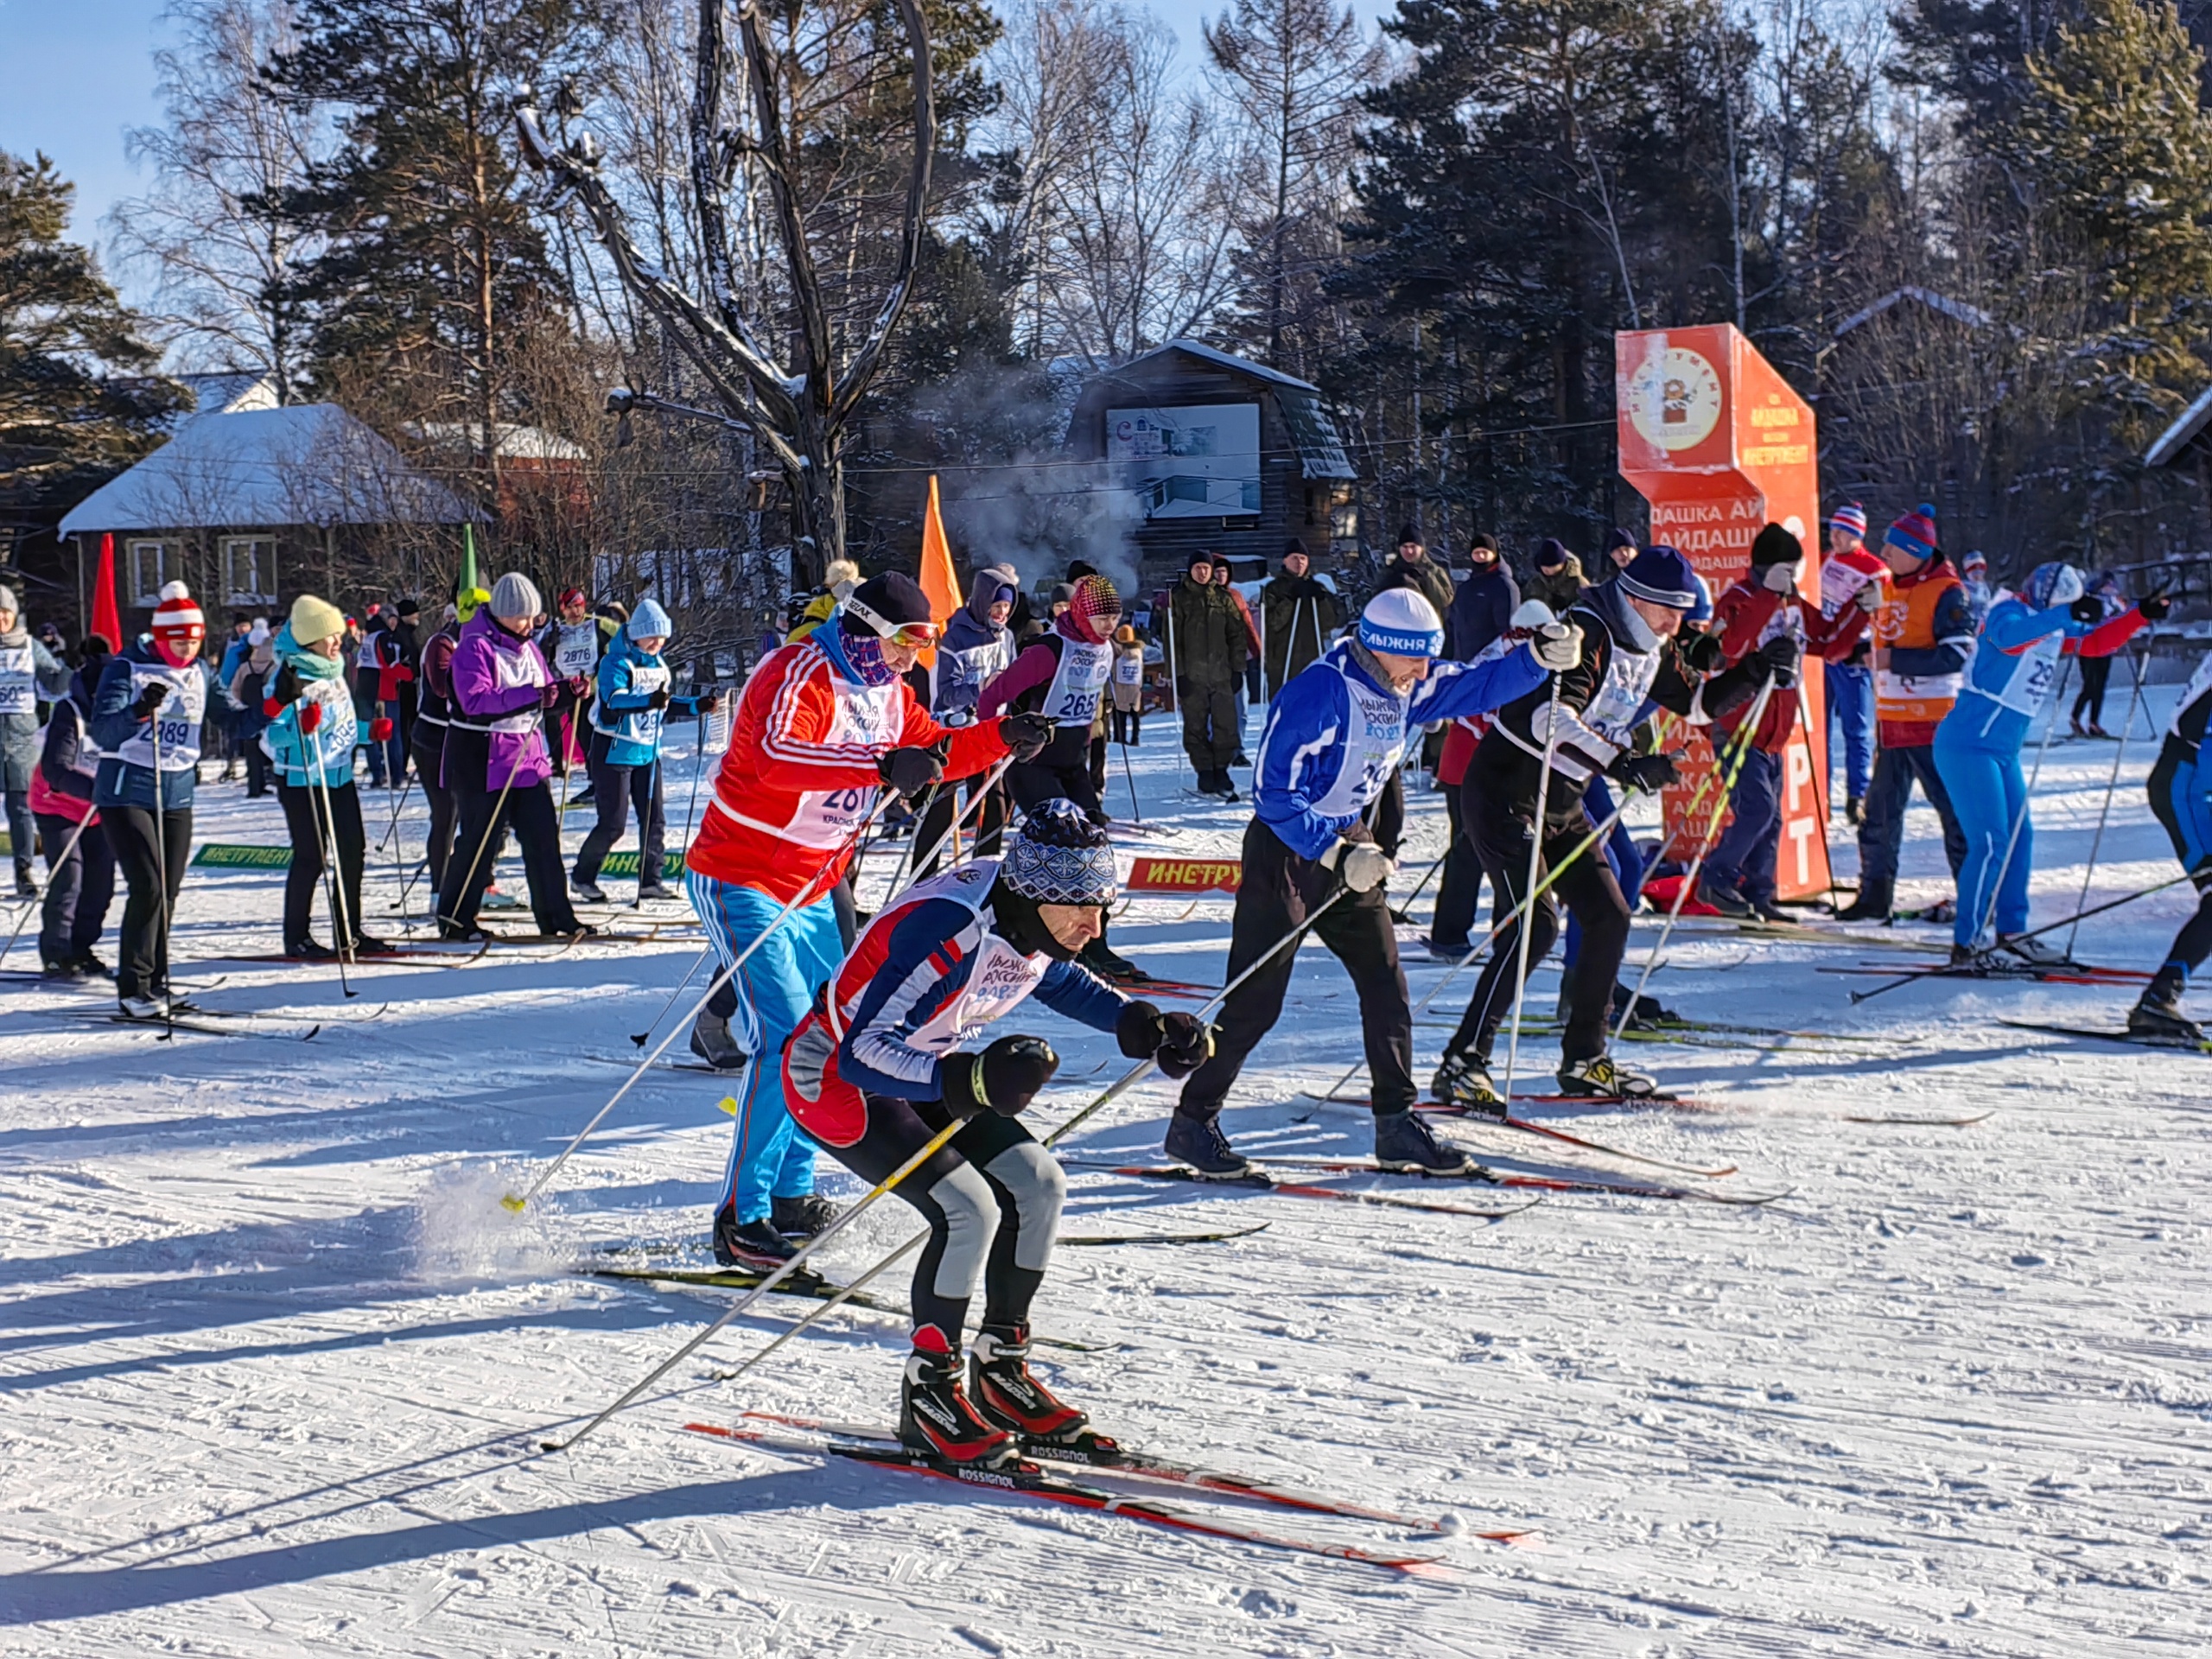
column 276, row 1364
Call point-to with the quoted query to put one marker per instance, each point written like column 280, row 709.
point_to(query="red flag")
column 107, row 622
column 938, row 580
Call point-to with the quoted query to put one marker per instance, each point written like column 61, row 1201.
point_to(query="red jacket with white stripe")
column 800, row 775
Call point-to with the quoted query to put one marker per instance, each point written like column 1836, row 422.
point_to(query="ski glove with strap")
column 2086, row 609
column 1558, row 646
column 1178, row 1043
column 1004, row 1077
column 2156, row 607
column 1781, row 655
column 1025, row 734
column 658, row 700
column 1649, row 772
column 310, row 716
column 149, row 700
column 911, row 770
column 380, row 728
column 1363, row 865
column 1701, row 653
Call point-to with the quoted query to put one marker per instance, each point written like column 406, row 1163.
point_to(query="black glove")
column 1004, row 1077
column 1649, row 772
column 1179, row 1042
column 658, row 700
column 1185, row 687
column 2155, row 608
column 149, row 700
column 1702, row 653
column 2087, row 608
column 911, row 770
column 1781, row 654
column 1025, row 734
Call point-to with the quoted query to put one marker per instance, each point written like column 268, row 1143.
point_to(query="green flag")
column 467, row 558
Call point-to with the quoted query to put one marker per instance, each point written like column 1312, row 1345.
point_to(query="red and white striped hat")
column 178, row 613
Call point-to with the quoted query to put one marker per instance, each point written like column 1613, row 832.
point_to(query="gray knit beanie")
column 516, row 596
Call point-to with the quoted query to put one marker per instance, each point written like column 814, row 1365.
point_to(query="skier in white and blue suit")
column 1334, row 736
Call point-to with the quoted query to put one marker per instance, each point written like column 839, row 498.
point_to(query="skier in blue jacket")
column 2009, row 680
column 627, row 719
column 1333, row 737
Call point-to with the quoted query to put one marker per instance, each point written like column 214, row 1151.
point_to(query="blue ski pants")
column 1850, row 705
column 768, row 1156
column 1989, row 795
column 1743, row 859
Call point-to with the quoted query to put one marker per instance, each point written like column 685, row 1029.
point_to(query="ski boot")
column 1199, row 1143
column 1728, row 900
column 1966, row 958
column 93, row 967
column 712, row 1042
column 801, row 1217
column 62, row 972
column 749, row 1245
column 143, row 1008
column 1601, row 1078
column 1768, row 910
column 367, row 944
column 308, row 950
column 1867, row 907
column 586, row 890
column 1446, row 950
column 1007, row 1394
column 934, row 1417
column 1463, row 1081
column 1405, row 1143
column 574, row 930
column 650, row 891
column 2158, row 1013
column 2034, row 951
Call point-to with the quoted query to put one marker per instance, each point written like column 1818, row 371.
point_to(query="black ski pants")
column 992, row 1197
column 1278, row 890
column 617, row 792
column 1032, row 783
column 1460, row 886
column 429, row 767
column 2096, row 679
column 1587, row 885
column 486, row 815
column 148, row 847
column 311, row 831
column 79, row 889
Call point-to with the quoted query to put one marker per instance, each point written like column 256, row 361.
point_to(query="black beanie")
column 896, row 599
column 1618, row 537
column 1775, row 545
column 1202, row 556
column 1410, row 533
column 1488, row 543
column 1551, row 553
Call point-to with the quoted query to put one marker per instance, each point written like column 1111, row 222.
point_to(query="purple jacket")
column 498, row 681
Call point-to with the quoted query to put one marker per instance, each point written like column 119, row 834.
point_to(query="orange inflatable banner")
column 1720, row 446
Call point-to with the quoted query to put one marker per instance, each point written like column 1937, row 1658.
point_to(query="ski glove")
column 1781, row 655
column 911, row 770
column 1180, row 1043
column 1363, row 865
column 148, row 700
column 1701, row 653
column 1005, row 1077
column 310, row 716
column 1025, row 734
column 380, row 728
column 658, row 700
column 2155, row 608
column 1779, row 578
column 1649, row 772
column 1558, row 646
column 1869, row 597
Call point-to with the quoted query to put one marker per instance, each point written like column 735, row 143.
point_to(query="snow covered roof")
column 228, row 391
column 308, row 464
column 516, row 442
column 1957, row 310
column 2168, row 445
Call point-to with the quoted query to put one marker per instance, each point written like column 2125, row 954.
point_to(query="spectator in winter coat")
column 498, row 766
column 29, row 673
column 146, row 716
column 382, row 679
column 1302, row 615
column 1207, row 644
column 311, row 738
column 627, row 716
column 241, row 689
column 1974, row 572
column 976, row 650
column 1483, row 607
column 1222, row 579
column 1620, row 548
column 1127, row 686
column 1414, row 569
column 1761, row 612
column 1557, row 579
column 79, row 864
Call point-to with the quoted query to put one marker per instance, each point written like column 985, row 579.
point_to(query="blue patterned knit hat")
column 1060, row 857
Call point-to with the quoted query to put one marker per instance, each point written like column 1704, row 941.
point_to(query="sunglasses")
column 915, row 636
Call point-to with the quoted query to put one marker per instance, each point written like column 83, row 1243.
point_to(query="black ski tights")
column 143, row 962
column 311, row 829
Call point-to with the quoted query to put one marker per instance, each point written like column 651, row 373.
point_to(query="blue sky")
column 80, row 72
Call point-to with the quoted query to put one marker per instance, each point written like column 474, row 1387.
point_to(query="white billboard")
column 1198, row 462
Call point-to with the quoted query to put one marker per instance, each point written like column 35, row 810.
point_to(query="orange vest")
column 1908, row 619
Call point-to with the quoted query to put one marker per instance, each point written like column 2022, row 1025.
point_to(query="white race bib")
column 18, row 684
column 176, row 722
column 1373, row 743
column 1128, row 669
column 1072, row 698
column 867, row 715
column 1611, row 713
column 576, row 649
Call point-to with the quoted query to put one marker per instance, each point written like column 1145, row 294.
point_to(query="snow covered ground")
column 273, row 1360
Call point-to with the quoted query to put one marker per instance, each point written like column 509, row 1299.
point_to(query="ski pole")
column 641, row 1038
column 1398, row 914
column 928, row 1150
column 2135, row 669
column 699, row 767
column 806, row 893
column 2020, row 818
column 75, row 837
column 1742, row 745
column 1135, row 811
column 341, row 921
column 1535, row 862
column 162, row 876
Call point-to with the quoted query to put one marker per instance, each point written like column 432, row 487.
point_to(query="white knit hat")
column 516, row 595
column 177, row 610
column 1402, row 622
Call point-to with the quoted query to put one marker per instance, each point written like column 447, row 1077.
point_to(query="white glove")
column 1780, row 578
column 1362, row 864
column 1558, row 646
column 1869, row 597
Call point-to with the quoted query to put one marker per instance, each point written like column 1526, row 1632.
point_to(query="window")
column 150, row 563
column 250, row 569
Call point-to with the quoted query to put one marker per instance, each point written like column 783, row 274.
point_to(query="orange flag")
column 938, row 579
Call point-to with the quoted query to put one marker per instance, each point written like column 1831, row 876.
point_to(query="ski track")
column 274, row 1360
